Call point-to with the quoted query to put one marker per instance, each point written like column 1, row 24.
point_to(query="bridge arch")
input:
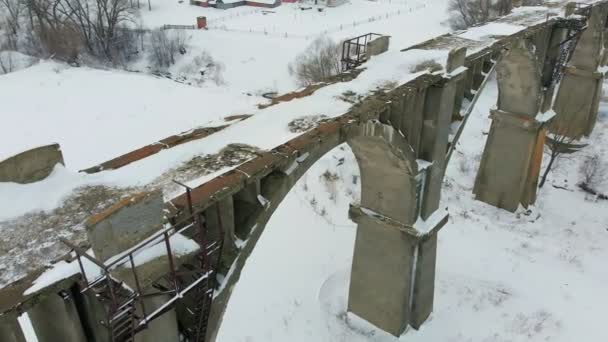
column 388, row 188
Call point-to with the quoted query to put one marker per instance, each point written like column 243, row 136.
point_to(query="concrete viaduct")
column 401, row 141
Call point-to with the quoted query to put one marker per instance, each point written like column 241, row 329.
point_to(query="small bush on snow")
column 320, row 60
column 592, row 171
column 204, row 67
column 165, row 47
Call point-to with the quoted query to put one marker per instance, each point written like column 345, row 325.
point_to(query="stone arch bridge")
column 401, row 140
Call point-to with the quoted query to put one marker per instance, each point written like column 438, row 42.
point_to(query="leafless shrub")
column 205, row 67
column 464, row 165
column 163, row 49
column 466, row 13
column 591, row 170
column 305, row 123
column 320, row 60
column 13, row 10
column 6, row 63
column 66, row 28
column 330, row 179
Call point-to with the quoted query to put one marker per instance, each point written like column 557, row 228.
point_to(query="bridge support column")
column 401, row 292
column 10, row 330
column 577, row 101
column 510, row 165
column 55, row 318
column 397, row 293
column 225, row 222
column 163, row 328
column 92, row 313
column 438, row 109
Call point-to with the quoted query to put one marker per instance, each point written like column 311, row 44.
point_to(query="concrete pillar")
column 424, row 280
column 92, row 313
column 456, row 59
column 577, row 101
column 125, row 224
column 246, row 207
column 438, row 110
column 225, row 208
column 478, row 75
column 161, row 329
column 381, row 294
column 412, row 118
column 55, row 318
column 10, row 330
column 385, row 220
column 554, row 50
column 510, row 164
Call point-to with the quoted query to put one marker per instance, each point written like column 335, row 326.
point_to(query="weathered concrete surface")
column 424, row 281
column 577, row 101
column 388, row 170
column 161, row 329
column 381, row 275
column 510, row 165
column 377, row 46
column 92, row 313
column 125, row 224
column 439, row 107
column 55, row 318
column 220, row 217
column 32, row 165
column 10, row 330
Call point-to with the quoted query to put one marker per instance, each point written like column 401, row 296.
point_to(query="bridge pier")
column 10, row 330
column 163, row 328
column 438, row 109
column 510, row 165
column 55, row 318
column 577, row 101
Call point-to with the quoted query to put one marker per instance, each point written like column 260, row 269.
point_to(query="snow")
column 62, row 270
column 490, row 30
column 28, row 329
column 180, row 245
column 13, row 61
column 546, row 116
column 97, row 115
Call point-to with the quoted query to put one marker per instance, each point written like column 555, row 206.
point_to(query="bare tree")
column 13, row 9
column 592, row 170
column 320, row 60
column 6, row 62
column 466, row 13
column 165, row 46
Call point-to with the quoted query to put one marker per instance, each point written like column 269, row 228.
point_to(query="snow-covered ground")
column 256, row 46
column 536, row 275
column 96, row 115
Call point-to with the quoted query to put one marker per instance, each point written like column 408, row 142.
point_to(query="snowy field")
column 537, row 275
column 256, row 48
